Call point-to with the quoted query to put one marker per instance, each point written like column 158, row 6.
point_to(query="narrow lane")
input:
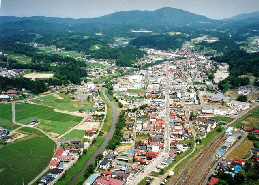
column 104, row 144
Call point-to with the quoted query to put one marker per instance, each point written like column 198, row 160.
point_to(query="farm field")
column 25, row 158
column 251, row 120
column 63, row 102
column 241, row 150
column 5, row 115
column 77, row 134
column 50, row 121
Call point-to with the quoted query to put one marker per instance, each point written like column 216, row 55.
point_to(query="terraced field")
column 25, row 158
column 50, row 121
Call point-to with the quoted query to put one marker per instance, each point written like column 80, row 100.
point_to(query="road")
column 104, row 144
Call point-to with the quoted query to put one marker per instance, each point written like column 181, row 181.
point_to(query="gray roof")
column 91, row 179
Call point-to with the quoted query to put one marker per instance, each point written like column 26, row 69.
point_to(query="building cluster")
column 12, row 73
column 229, row 167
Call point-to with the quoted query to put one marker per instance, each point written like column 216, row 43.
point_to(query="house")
column 108, row 181
column 91, row 179
column 213, row 180
column 150, row 155
column 229, row 131
column 53, row 164
column 123, row 176
column 238, row 161
column 11, row 92
column 57, row 154
column 105, row 164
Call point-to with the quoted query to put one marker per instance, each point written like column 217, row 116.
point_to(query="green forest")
column 240, row 63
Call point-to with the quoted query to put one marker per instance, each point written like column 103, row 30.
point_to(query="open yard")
column 77, row 134
column 63, row 102
column 38, row 75
column 242, row 150
column 24, row 159
column 50, row 121
column 251, row 120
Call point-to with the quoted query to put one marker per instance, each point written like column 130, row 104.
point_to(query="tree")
column 120, row 105
column 222, row 182
column 242, row 98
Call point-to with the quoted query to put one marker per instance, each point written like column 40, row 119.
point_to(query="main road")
column 104, row 144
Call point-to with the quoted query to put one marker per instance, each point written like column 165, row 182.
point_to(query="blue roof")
column 61, row 166
column 132, row 151
column 92, row 178
column 229, row 129
column 237, row 168
column 220, row 152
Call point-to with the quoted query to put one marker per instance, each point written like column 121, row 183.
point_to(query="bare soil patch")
column 88, row 125
column 124, row 147
column 58, row 97
column 38, row 75
column 53, row 134
column 219, row 76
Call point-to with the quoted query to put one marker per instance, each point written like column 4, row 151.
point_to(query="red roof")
column 59, row 152
column 248, row 128
column 137, row 151
column 237, row 161
column 109, row 181
column 11, row 91
column 256, row 131
column 107, row 172
column 53, row 163
column 213, row 180
column 152, row 132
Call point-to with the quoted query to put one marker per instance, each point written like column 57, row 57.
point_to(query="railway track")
column 203, row 162
column 186, row 177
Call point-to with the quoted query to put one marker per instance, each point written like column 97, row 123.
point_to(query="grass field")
column 89, row 64
column 70, row 54
column 65, row 103
column 20, row 58
column 77, row 134
column 241, row 150
column 143, row 91
column 250, row 120
column 226, row 119
column 50, row 121
column 26, row 158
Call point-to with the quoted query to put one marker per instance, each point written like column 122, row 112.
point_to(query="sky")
column 216, row 9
